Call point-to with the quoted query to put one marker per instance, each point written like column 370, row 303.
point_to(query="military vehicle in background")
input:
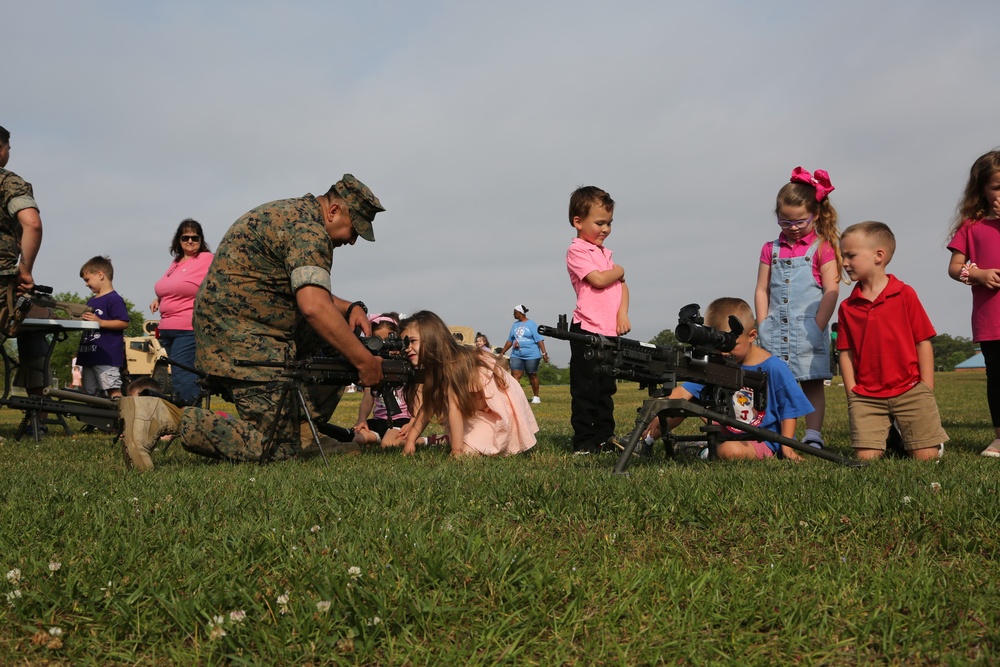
column 464, row 335
column 145, row 357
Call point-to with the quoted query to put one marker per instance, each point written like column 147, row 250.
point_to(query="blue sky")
column 473, row 122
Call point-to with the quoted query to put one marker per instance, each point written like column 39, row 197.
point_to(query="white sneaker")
column 536, row 400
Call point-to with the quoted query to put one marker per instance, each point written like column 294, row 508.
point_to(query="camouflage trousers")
column 209, row 434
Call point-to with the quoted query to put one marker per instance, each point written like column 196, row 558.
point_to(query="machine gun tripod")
column 397, row 371
column 699, row 359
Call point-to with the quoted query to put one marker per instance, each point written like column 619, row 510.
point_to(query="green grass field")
column 546, row 559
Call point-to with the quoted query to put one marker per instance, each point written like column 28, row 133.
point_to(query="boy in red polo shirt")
column 886, row 358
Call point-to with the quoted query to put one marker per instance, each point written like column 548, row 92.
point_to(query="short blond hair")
column 877, row 234
column 718, row 312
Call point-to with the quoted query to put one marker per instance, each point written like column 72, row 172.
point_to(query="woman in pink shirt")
column 175, row 293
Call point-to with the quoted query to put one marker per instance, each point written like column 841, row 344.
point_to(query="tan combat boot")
column 146, row 419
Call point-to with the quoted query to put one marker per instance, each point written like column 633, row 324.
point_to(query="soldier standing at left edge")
column 267, row 297
column 20, row 228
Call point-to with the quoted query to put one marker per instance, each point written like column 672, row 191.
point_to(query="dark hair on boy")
column 99, row 263
column 4, row 135
column 138, row 386
column 878, row 233
column 583, row 198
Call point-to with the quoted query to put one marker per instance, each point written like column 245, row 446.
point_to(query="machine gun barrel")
column 96, row 401
column 335, row 370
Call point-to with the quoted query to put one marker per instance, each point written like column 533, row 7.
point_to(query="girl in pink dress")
column 483, row 407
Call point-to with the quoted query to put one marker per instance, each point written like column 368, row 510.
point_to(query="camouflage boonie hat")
column 363, row 204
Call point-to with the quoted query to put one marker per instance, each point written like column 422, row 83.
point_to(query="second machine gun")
column 699, row 359
column 397, row 371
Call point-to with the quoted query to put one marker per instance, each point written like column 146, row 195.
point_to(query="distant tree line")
column 949, row 351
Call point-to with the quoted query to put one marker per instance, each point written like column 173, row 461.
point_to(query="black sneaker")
column 612, row 445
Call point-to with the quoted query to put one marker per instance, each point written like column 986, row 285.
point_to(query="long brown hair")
column 973, row 205
column 449, row 369
column 823, row 212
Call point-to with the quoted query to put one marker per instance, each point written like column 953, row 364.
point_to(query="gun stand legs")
column 679, row 407
column 291, row 402
column 32, row 420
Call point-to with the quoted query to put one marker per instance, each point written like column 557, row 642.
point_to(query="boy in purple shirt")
column 601, row 308
column 102, row 351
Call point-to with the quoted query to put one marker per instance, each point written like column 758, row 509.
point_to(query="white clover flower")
column 354, row 571
column 906, row 500
column 314, row 529
column 14, row 576
column 237, row 616
column 283, row 599
column 54, row 566
column 376, row 621
column 935, row 487
column 13, row 595
column 55, row 632
column 218, row 620
column 253, row 479
column 216, row 632
column 323, row 606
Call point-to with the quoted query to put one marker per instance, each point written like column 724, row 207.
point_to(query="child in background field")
column 76, row 375
column 785, row 400
column 484, row 408
column 378, row 430
column 798, row 281
column 102, row 352
column 975, row 261
column 886, row 358
column 601, row 308
column 482, row 342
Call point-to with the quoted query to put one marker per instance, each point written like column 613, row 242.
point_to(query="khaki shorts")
column 915, row 412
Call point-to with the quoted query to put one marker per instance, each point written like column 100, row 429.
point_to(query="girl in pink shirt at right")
column 798, row 282
column 975, row 261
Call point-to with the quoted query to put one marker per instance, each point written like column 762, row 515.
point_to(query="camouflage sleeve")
column 310, row 275
column 18, row 204
column 16, row 193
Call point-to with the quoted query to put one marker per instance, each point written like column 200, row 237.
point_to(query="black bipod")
column 677, row 407
column 291, row 401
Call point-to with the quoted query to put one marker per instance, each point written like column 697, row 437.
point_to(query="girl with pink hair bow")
column 798, row 283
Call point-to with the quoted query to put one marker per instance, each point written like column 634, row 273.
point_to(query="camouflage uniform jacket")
column 15, row 196
column 246, row 308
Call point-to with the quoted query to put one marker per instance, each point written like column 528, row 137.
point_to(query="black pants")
column 991, row 355
column 592, row 404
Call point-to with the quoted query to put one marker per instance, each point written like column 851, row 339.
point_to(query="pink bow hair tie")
column 819, row 180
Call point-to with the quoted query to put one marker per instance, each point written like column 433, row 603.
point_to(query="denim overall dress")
column 789, row 331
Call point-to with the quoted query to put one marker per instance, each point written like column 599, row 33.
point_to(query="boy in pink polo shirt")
column 886, row 358
column 601, row 308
